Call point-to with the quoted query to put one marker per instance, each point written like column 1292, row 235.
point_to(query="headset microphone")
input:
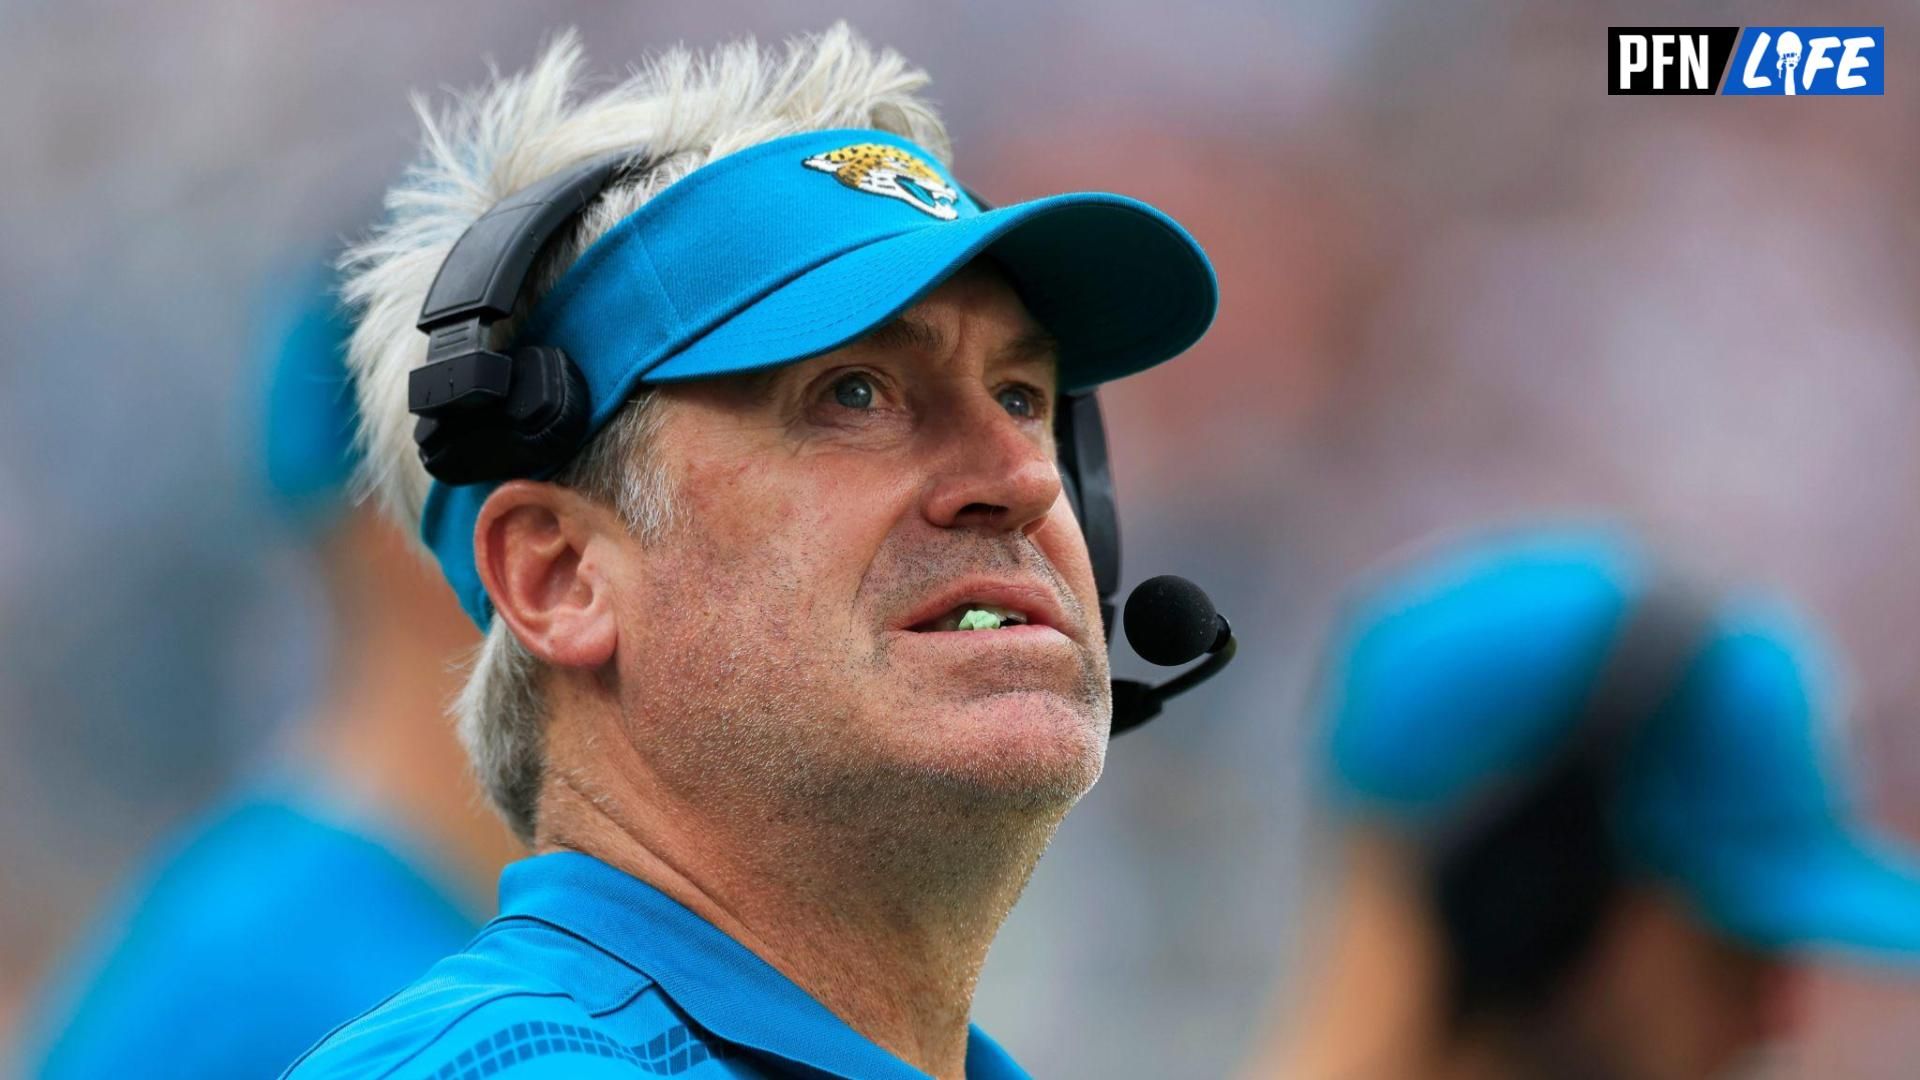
column 1169, row 621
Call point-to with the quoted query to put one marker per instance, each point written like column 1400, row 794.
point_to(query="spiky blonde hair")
column 678, row 112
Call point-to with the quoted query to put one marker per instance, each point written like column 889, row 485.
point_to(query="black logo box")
column 1718, row 42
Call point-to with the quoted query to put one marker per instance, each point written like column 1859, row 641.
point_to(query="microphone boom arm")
column 1136, row 702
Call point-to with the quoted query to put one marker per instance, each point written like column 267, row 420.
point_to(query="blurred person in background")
column 342, row 871
column 1591, row 816
column 794, row 655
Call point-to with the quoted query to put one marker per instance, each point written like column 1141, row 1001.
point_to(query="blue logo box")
column 1808, row 60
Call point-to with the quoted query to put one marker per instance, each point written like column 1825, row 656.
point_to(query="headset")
column 488, row 416
column 1521, row 880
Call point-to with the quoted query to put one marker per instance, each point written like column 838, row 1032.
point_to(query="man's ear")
column 538, row 547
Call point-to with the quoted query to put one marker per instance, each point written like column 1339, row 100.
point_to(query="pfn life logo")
column 1790, row 61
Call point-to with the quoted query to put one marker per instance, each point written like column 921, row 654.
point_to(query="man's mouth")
column 987, row 604
column 971, row 615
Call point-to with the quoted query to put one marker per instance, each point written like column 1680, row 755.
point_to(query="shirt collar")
column 721, row 984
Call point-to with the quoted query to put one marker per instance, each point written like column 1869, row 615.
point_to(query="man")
column 1587, row 826
column 796, row 662
column 325, row 883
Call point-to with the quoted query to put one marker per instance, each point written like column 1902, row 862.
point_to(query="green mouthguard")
column 980, row 620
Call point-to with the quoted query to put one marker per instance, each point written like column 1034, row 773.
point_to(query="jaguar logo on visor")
column 879, row 169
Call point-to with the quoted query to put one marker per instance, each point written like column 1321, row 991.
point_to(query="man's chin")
column 1017, row 743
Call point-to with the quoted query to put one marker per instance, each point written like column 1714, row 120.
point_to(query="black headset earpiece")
column 487, row 415
column 470, row 432
column 1522, row 879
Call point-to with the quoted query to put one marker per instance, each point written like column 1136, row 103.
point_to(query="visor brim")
column 1121, row 286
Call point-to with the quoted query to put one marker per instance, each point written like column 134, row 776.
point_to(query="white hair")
column 680, row 111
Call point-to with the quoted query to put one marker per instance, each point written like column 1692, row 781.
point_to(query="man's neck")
column 885, row 920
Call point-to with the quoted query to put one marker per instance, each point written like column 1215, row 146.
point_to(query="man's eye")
column 854, row 391
column 1019, row 401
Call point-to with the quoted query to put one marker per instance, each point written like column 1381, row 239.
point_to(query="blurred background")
column 1461, row 285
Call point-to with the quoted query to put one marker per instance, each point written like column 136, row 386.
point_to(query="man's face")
column 796, row 632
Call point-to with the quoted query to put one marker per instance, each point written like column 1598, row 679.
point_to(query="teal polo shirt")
column 588, row 973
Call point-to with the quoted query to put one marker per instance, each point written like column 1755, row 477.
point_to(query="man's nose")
column 995, row 471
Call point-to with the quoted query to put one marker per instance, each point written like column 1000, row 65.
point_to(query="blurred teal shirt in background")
column 266, row 924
